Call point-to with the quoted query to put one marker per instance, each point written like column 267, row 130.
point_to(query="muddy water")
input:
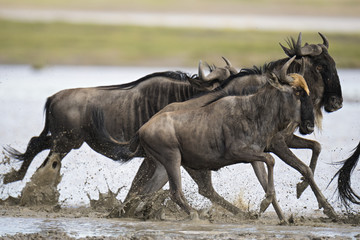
column 83, row 227
column 87, row 176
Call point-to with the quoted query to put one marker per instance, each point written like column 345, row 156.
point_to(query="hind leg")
column 170, row 158
column 206, row 189
column 60, row 148
column 150, row 178
column 261, row 174
column 35, row 146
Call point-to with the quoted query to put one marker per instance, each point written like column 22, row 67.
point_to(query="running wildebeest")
column 128, row 106
column 346, row 193
column 227, row 130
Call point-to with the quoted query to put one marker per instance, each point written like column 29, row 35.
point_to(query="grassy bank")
column 85, row 44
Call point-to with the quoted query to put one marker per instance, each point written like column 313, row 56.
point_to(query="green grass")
column 85, row 44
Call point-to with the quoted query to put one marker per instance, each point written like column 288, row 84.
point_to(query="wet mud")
column 153, row 216
column 149, row 217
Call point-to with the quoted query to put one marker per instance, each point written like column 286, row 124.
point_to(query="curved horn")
column 201, row 71
column 229, row 66
column 228, row 63
column 283, row 76
column 302, row 69
column 325, row 41
column 216, row 74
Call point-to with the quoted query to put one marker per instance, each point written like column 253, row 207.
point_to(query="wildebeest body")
column 228, row 131
column 227, row 125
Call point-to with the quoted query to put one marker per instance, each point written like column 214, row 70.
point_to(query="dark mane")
column 175, row 75
column 267, row 67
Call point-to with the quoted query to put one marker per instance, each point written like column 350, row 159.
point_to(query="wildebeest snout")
column 308, row 127
column 334, row 103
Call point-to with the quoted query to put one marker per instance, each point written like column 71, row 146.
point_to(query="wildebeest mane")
column 175, row 75
column 255, row 70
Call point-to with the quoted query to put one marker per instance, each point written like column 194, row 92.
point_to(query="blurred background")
column 172, row 33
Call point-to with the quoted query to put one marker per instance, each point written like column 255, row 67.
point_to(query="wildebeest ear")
column 287, row 51
column 273, row 80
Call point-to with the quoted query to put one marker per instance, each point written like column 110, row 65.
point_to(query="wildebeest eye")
column 297, row 93
column 319, row 68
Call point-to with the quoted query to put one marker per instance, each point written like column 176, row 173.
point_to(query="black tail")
column 346, row 193
column 36, row 144
column 103, row 142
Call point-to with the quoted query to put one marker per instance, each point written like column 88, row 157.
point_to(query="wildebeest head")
column 324, row 68
column 300, row 91
column 216, row 76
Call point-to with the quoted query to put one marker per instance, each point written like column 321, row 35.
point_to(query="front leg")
column 298, row 142
column 279, row 147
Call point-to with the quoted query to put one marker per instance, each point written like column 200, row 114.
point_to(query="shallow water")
column 23, row 92
column 82, row 227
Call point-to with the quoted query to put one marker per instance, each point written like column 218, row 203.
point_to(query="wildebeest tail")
column 102, row 141
column 346, row 193
column 36, row 144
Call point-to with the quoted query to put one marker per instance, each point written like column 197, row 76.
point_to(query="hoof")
column 330, row 212
column 300, row 188
column 194, row 215
column 265, row 204
column 283, row 222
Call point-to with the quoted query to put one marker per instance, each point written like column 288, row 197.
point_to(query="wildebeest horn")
column 228, row 63
column 216, row 74
column 232, row 70
column 283, row 76
column 201, row 71
column 298, row 42
column 325, row 41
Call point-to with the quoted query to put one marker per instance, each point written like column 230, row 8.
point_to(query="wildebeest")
column 227, row 130
column 131, row 105
column 346, row 193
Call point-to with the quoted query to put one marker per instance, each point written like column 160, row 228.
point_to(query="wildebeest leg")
column 61, row 147
column 279, row 147
column 174, row 174
column 260, row 173
column 150, row 178
column 206, row 189
column 251, row 157
column 171, row 160
column 298, row 142
column 35, row 146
